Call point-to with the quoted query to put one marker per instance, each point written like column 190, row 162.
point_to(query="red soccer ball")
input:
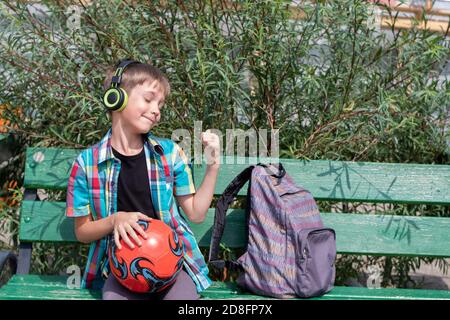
column 152, row 267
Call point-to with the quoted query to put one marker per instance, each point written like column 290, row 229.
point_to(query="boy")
column 132, row 174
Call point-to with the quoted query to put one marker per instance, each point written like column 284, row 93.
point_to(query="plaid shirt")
column 92, row 190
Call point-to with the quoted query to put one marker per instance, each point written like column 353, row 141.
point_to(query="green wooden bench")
column 360, row 234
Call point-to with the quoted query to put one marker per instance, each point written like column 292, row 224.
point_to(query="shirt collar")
column 105, row 150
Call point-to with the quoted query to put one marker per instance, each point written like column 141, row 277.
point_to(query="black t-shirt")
column 133, row 192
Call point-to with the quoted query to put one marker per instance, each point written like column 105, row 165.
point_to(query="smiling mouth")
column 148, row 119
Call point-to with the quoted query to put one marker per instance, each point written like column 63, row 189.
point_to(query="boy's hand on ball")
column 125, row 225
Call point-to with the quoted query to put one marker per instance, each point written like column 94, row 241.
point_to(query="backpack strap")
column 223, row 203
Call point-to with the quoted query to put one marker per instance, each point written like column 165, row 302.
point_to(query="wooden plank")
column 352, row 181
column 409, row 23
column 356, row 233
column 36, row 287
column 327, row 180
column 45, row 221
column 415, row 8
column 220, row 290
column 48, row 168
column 22, row 287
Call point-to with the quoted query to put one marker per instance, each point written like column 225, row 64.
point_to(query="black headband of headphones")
column 120, row 68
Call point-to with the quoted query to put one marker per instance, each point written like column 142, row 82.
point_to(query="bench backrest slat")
column 366, row 234
column 356, row 181
column 356, row 233
column 48, row 168
column 45, row 221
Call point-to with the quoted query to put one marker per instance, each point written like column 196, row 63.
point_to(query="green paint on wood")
column 45, row 221
column 220, row 290
column 36, row 287
column 48, row 168
column 356, row 233
column 355, row 181
column 55, row 288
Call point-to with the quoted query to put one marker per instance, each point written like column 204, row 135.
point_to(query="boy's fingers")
column 116, row 239
column 133, row 234
column 125, row 238
column 144, row 217
column 139, row 229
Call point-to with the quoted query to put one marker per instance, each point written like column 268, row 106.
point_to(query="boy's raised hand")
column 211, row 142
column 126, row 223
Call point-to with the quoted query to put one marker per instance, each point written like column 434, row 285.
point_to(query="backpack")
column 289, row 252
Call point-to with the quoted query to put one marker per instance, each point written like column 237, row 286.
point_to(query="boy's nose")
column 155, row 114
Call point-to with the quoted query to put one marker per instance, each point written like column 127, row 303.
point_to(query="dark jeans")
column 183, row 289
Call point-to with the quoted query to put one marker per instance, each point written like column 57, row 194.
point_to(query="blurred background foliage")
column 335, row 85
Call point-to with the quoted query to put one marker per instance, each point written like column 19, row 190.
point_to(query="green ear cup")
column 115, row 99
column 123, row 101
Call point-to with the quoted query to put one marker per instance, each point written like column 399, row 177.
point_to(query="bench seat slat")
column 49, row 168
column 54, row 287
column 221, row 290
column 37, row 287
column 356, row 233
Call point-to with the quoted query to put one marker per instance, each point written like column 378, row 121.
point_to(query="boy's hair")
column 136, row 74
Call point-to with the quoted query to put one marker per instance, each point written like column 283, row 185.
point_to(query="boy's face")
column 143, row 108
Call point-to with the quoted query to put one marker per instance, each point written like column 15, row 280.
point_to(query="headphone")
column 116, row 98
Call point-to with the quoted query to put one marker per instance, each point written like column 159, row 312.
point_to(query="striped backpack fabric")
column 289, row 252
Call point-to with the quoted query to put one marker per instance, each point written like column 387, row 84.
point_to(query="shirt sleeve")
column 183, row 179
column 77, row 200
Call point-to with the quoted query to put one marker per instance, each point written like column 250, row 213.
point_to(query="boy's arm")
column 123, row 224
column 196, row 206
column 88, row 231
column 78, row 206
